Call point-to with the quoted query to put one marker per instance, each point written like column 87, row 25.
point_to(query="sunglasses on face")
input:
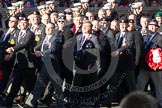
column 61, row 21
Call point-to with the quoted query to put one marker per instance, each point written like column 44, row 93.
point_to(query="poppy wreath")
column 154, row 58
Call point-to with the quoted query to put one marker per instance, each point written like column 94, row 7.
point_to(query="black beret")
column 107, row 19
column 131, row 21
column 123, row 19
column 62, row 17
column 36, row 13
column 23, row 19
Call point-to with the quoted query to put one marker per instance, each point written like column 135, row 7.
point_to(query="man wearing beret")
column 158, row 17
column 138, row 40
column 153, row 40
column 61, row 22
column 125, row 42
column 137, row 50
column 67, row 34
column 104, row 24
column 24, row 69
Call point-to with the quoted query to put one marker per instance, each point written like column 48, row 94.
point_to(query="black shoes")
column 27, row 106
column 6, row 104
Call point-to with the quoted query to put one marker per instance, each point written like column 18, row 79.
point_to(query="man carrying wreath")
column 152, row 42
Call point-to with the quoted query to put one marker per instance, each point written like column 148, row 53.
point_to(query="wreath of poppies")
column 154, row 58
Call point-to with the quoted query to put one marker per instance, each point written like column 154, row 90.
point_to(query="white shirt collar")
column 48, row 37
column 122, row 34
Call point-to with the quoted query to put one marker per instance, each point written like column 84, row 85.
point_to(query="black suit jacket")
column 105, row 54
column 126, row 57
column 24, row 50
column 39, row 35
column 103, row 41
column 93, row 40
column 9, row 41
column 156, row 42
column 110, row 34
column 138, row 47
column 67, row 33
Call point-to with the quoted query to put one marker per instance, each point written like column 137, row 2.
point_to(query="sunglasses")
column 61, row 21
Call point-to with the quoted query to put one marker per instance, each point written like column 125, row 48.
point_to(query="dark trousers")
column 118, row 78
column 42, row 79
column 83, row 80
column 66, row 75
column 19, row 75
column 6, row 71
column 39, row 87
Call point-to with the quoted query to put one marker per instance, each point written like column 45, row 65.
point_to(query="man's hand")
column 10, row 50
column 38, row 53
column 115, row 53
column 136, row 63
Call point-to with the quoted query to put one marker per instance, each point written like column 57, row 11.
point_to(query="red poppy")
column 154, row 58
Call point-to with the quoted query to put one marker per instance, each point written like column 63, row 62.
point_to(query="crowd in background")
column 92, row 3
column 27, row 39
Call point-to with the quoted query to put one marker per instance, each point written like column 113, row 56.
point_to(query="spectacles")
column 61, row 21
column 103, row 22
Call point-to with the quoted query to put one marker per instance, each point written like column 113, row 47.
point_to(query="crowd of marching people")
column 32, row 43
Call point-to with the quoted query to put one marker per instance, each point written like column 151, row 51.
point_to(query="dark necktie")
column 119, row 42
column 148, row 40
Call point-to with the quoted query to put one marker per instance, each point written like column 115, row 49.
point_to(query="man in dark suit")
column 67, row 34
column 125, row 42
column 104, row 24
column 138, row 47
column 24, row 69
column 52, row 44
column 7, row 60
column 105, row 54
column 86, row 40
column 153, row 40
